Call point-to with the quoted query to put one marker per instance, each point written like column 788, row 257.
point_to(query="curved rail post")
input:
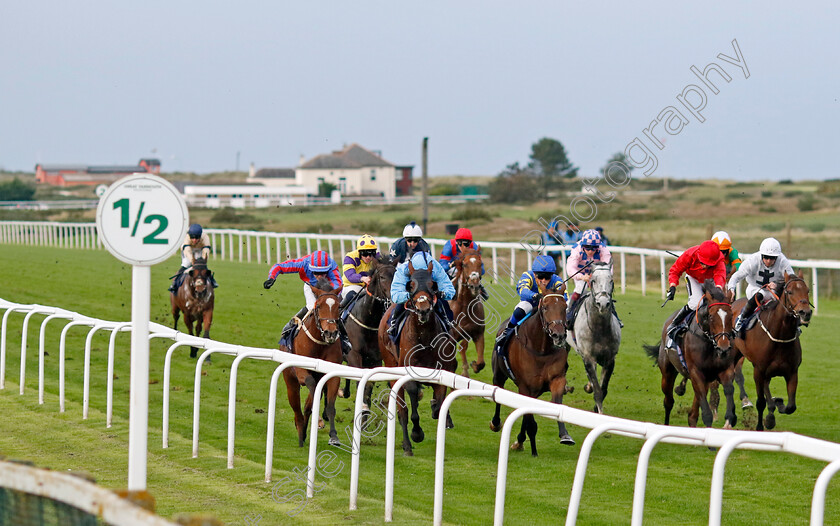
column 642, row 466
column 382, row 374
column 9, row 310
column 440, row 446
column 818, row 500
column 109, row 404
column 167, row 370
column 42, row 352
column 61, row 351
column 86, row 381
column 504, row 450
column 583, row 462
column 234, row 370
column 197, row 389
column 272, row 411
column 716, row 498
column 23, row 338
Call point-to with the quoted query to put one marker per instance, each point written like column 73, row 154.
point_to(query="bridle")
column 464, row 279
column 714, row 338
column 380, row 296
column 318, row 319
column 547, row 324
column 790, row 310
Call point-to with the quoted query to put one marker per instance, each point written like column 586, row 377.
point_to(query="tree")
column 325, row 189
column 549, row 160
column 16, row 190
column 513, row 184
column 618, row 158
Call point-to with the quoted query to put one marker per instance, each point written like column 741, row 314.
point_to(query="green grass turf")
column 767, row 488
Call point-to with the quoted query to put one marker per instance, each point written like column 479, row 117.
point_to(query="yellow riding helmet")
column 366, row 242
column 722, row 239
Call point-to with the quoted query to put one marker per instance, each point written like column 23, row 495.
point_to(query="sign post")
column 142, row 220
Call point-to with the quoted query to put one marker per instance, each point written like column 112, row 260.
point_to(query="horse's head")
column 381, row 275
column 796, row 298
column 469, row 269
column 601, row 285
column 716, row 318
column 326, row 311
column 199, row 276
column 423, row 291
column 552, row 311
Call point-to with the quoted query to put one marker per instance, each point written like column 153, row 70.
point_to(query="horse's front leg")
column 729, row 392
column 332, row 393
column 698, row 382
column 669, row 376
column 770, row 419
column 439, row 393
column 760, row 400
column 479, row 350
column 558, row 389
column 293, row 394
column 606, row 374
column 593, row 386
column 413, row 389
column 739, row 379
column 792, row 381
column 462, row 350
column 402, row 414
column 207, row 321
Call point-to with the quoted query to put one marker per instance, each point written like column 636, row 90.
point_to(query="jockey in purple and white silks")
column 579, row 264
column 767, row 267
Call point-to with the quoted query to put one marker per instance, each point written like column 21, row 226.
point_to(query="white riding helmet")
column 412, row 230
column 770, row 247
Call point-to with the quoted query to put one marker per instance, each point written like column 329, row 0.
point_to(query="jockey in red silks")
column 698, row 263
column 311, row 268
column 452, row 249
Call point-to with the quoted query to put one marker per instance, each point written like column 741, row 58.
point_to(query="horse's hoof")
column 495, row 428
column 477, row 366
column 449, row 424
column 418, row 436
column 780, row 405
column 516, row 446
column 566, row 440
column 714, row 415
column 365, row 408
column 570, row 389
column 334, row 441
column 727, row 426
column 340, row 393
column 770, row 421
column 408, row 453
column 320, row 423
column 745, row 403
column 588, row 388
column 679, row 390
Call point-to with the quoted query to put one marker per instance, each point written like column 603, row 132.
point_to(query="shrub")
column 230, row 215
column 369, row 226
column 773, row 227
column 816, row 227
column 766, row 193
column 514, row 188
column 785, row 181
column 806, row 203
column 768, row 209
column 445, row 189
column 472, row 212
column 16, row 190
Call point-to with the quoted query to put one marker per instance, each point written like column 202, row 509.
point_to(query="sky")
column 212, row 86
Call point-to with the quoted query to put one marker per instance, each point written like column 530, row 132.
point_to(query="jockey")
column 731, row 258
column 533, row 285
column 411, row 242
column 699, row 263
column 310, row 268
column 356, row 267
column 579, row 265
column 400, row 294
column 196, row 245
column 765, row 268
column 451, row 250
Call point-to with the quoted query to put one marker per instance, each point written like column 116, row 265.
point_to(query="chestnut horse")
column 423, row 342
column 468, row 309
column 772, row 346
column 538, row 355
column 363, row 322
column 195, row 298
column 709, row 356
column 318, row 338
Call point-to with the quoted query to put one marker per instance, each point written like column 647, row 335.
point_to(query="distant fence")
column 506, row 260
column 651, row 434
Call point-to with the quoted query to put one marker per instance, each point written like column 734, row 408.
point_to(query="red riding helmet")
column 709, row 253
column 463, row 234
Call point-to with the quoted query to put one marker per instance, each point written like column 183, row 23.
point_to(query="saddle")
column 287, row 338
column 445, row 318
column 345, row 311
column 506, row 337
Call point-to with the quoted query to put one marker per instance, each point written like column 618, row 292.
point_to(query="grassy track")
column 760, row 487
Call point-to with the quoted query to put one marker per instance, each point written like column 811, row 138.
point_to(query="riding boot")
column 173, row 287
column 287, row 330
column 395, row 319
column 676, row 325
column 347, row 299
column 502, row 339
column 570, row 310
column 213, row 281
column 745, row 313
column 615, row 313
column 346, row 346
column 484, row 295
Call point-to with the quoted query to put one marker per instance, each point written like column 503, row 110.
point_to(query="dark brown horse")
column 772, row 345
column 538, row 355
column 196, row 299
column 468, row 308
column 318, row 338
column 362, row 322
column 709, row 356
column 423, row 343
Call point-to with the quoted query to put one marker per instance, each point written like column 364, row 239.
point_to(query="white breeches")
column 525, row 306
column 695, row 292
column 309, row 296
column 348, row 288
column 579, row 285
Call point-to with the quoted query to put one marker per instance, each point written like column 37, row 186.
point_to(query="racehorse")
column 196, row 299
column 538, row 355
column 363, row 322
column 423, row 342
column 318, row 337
column 772, row 346
column 598, row 332
column 709, row 355
column 468, row 308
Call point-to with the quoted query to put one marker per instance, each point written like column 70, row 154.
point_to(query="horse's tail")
column 652, row 351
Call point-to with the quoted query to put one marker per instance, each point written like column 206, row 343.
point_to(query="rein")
column 314, row 313
column 709, row 336
column 789, row 311
column 546, row 324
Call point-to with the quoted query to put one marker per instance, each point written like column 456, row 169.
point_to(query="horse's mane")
column 713, row 290
column 323, row 284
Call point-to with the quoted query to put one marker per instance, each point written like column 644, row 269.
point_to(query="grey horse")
column 597, row 332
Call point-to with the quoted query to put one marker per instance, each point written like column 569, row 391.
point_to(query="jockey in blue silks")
column 400, row 294
column 532, row 286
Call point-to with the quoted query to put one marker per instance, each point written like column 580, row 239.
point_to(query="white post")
column 138, row 416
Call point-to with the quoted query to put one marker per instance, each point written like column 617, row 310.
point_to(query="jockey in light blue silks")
column 400, row 294
column 532, row 286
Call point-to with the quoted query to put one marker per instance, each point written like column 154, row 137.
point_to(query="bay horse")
column 772, row 345
column 362, row 322
column 709, row 354
column 598, row 332
column 423, row 342
column 196, row 299
column 318, row 337
column 538, row 355
column 468, row 308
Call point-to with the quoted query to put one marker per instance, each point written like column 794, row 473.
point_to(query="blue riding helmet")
column 591, row 238
column 544, row 264
column 195, row 230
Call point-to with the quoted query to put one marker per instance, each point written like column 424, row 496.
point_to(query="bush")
column 766, row 193
column 773, row 227
column 785, row 181
column 231, row 216
column 816, row 227
column 369, row 226
column 445, row 189
column 515, row 188
column 768, row 209
column 16, row 190
column 472, row 212
column 325, row 189
column 806, row 203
